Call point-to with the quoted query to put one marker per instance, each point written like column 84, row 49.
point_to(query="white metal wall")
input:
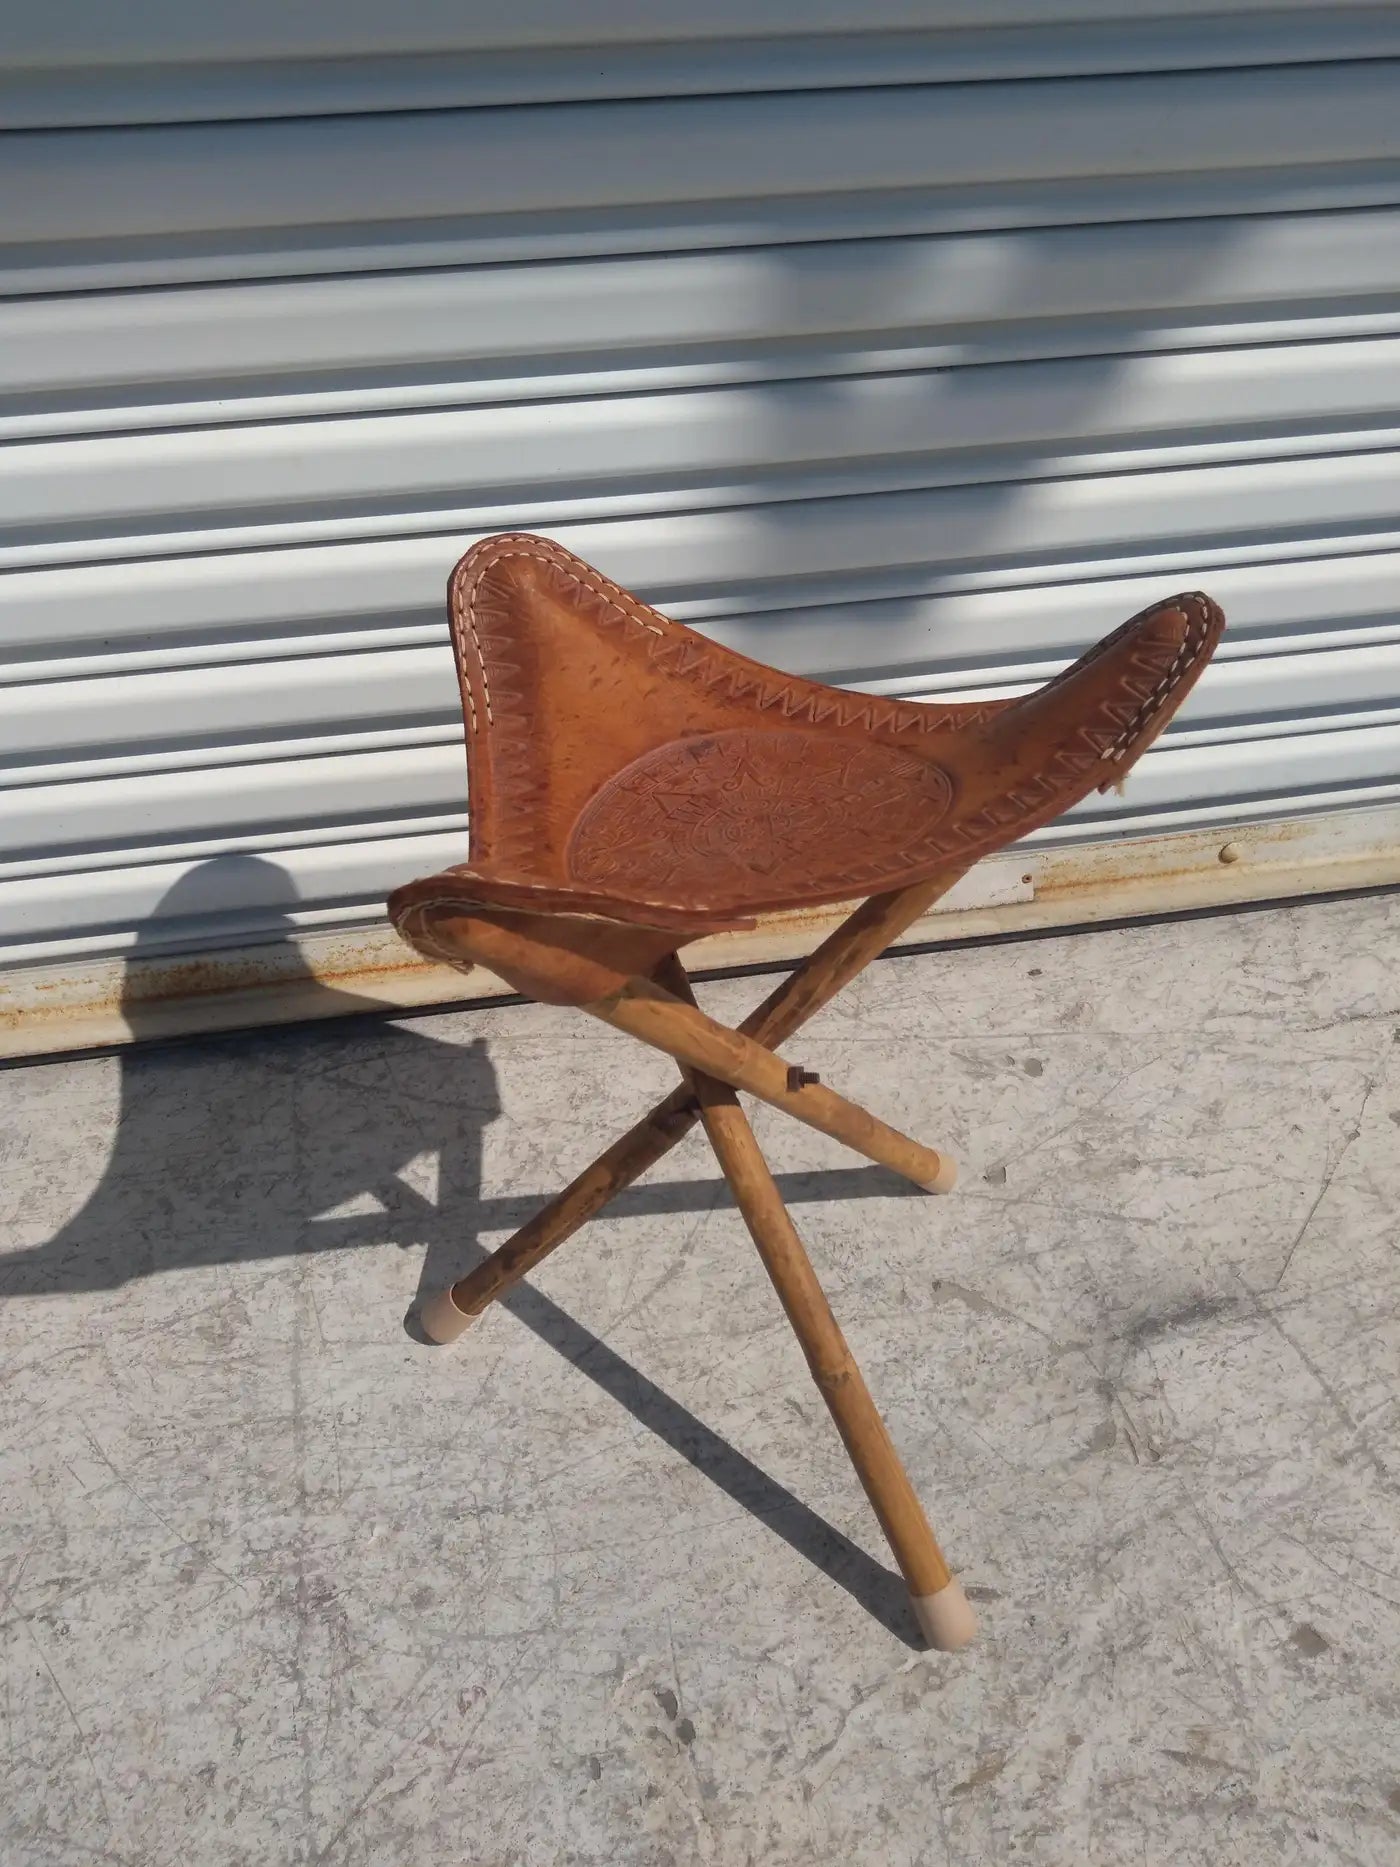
column 908, row 345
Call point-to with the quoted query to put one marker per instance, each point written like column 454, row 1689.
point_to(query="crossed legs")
column 943, row 1611
column 860, row 938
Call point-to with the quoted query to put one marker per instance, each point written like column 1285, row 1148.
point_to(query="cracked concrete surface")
column 278, row 1584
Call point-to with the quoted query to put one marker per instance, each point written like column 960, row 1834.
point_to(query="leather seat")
column 622, row 765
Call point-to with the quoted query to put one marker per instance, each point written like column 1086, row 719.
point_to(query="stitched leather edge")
column 1198, row 628
column 899, row 716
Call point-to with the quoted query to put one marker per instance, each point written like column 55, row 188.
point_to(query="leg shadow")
column 880, row 1591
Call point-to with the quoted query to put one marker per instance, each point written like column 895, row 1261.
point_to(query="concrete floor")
column 278, row 1584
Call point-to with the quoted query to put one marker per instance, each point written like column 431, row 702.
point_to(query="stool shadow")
column 239, row 1148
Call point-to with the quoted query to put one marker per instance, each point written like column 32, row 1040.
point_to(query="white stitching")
column 1189, row 651
column 528, row 546
column 467, row 903
column 470, row 620
column 514, row 545
column 919, row 716
column 413, row 930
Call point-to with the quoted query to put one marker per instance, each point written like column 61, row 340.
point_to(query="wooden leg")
column 847, row 951
column 447, row 1313
column 942, row 1609
column 646, row 1010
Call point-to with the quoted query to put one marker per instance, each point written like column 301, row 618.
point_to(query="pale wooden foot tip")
column 948, row 1619
column 946, row 1178
column 442, row 1321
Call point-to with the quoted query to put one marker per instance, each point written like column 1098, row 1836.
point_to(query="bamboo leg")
column 942, row 1609
column 940, row 1606
column 646, row 1010
column 448, row 1312
column 845, row 952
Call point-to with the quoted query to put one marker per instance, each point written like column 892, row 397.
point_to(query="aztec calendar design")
column 750, row 812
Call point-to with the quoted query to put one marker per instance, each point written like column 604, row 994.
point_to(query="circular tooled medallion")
column 752, row 814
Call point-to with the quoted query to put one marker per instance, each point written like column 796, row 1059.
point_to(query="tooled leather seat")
column 622, row 765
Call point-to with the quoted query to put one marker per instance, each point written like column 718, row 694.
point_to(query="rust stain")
column 1189, row 854
column 56, row 1008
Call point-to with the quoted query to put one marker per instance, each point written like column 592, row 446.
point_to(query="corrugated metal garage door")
column 909, row 346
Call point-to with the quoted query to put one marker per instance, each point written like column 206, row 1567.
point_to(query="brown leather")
column 622, row 766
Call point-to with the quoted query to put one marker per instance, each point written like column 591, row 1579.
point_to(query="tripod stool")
column 635, row 786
